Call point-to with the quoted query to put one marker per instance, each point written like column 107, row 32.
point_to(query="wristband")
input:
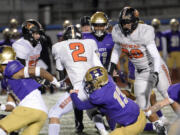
column 26, row 72
column 3, row 107
column 37, row 71
column 11, row 103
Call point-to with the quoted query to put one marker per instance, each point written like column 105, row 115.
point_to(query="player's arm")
column 10, row 104
column 116, row 52
column 27, row 72
column 81, row 105
column 159, row 105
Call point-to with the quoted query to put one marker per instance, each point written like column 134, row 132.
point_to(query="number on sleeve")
column 78, row 48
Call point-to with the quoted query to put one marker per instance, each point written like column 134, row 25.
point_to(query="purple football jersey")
column 158, row 40
column 105, row 47
column 19, row 87
column 111, row 102
column 173, row 40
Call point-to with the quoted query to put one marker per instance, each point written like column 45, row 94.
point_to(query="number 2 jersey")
column 135, row 46
column 24, row 50
column 76, row 56
column 113, row 103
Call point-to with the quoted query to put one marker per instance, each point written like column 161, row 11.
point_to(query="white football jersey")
column 134, row 45
column 24, row 50
column 76, row 56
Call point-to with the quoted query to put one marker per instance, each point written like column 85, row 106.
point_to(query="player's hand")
column 56, row 83
column 154, row 79
column 73, row 91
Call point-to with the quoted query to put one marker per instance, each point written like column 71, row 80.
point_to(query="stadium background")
column 52, row 14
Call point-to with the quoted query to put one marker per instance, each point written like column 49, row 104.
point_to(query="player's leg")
column 35, row 127
column 78, row 120
column 21, row 117
column 63, row 106
column 133, row 129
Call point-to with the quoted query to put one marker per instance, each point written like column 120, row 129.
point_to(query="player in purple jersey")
column 173, row 48
column 108, row 98
column 99, row 25
column 7, row 38
column 31, row 111
column 159, row 38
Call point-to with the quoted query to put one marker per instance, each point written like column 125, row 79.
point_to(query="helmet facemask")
column 128, row 20
column 99, row 24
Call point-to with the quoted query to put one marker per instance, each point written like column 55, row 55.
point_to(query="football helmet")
column 6, row 33
column 85, row 20
column 174, row 23
column 72, row 32
column 99, row 23
column 66, row 23
column 29, row 27
column 7, row 54
column 95, row 78
column 13, row 23
column 128, row 20
column 15, row 33
column 155, row 23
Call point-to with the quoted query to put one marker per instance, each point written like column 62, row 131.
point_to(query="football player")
column 99, row 24
column 104, row 94
column 137, row 42
column 31, row 111
column 76, row 55
column 28, row 48
column 85, row 24
column 6, row 38
column 159, row 38
column 173, row 48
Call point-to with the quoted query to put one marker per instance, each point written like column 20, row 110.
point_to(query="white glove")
column 56, row 83
column 154, row 79
column 59, row 84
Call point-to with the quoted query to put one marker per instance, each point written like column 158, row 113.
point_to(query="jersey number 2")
column 78, row 49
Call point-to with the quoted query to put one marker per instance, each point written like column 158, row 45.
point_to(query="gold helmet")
column 95, row 78
column 155, row 23
column 13, row 23
column 66, row 23
column 99, row 19
column 141, row 22
column 15, row 33
column 7, row 54
column 6, row 33
column 174, row 23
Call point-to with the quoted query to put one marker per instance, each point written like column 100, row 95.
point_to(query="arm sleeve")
column 116, row 52
column 81, row 105
column 155, row 55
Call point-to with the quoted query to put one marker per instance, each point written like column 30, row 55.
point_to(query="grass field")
column 67, row 121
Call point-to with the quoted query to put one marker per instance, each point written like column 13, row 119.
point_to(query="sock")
column 99, row 125
column 148, row 127
column 54, row 129
column 159, row 113
column 2, row 132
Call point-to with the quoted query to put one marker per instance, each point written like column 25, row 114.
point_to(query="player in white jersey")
column 76, row 56
column 137, row 41
column 28, row 48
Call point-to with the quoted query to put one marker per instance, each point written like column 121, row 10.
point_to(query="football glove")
column 154, row 79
